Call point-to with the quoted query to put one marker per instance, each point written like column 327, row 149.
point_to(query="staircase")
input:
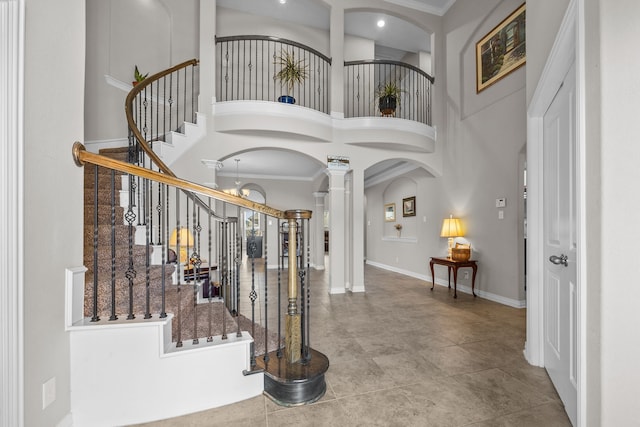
column 179, row 299
column 142, row 329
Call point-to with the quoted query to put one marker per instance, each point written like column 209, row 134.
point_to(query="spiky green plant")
column 390, row 88
column 138, row 75
column 292, row 71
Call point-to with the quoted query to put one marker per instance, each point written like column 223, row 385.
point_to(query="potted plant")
column 292, row 71
column 138, row 76
column 389, row 97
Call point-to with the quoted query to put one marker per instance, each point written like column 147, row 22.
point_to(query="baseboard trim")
column 97, row 145
column 462, row 288
column 67, row 421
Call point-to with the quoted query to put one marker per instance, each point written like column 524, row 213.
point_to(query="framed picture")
column 409, row 206
column 390, row 212
column 502, row 51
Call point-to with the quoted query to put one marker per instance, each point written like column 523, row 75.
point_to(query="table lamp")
column 181, row 239
column 451, row 228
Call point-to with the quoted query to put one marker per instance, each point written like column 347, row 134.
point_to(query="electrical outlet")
column 466, row 274
column 48, row 392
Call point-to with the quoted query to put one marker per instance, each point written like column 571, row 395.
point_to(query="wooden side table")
column 454, row 265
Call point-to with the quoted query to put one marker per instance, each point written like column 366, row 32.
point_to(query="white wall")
column 358, row 48
column 485, row 134
column 481, row 143
column 420, row 235
column 232, row 23
column 154, row 35
column 620, row 153
column 543, row 21
column 53, row 196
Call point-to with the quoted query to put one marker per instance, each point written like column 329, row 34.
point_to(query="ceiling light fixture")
column 244, row 192
column 381, row 23
column 283, row 1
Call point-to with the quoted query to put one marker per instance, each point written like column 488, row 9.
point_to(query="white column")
column 337, row 231
column 215, row 166
column 11, row 214
column 207, row 56
column 348, row 231
column 357, row 227
column 318, row 220
column 336, row 44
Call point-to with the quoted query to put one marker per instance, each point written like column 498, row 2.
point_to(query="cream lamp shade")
column 451, row 228
column 184, row 238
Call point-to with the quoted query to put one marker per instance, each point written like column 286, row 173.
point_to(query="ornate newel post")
column 295, row 376
column 293, row 325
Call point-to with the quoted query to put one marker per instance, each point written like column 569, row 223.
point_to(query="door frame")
column 565, row 51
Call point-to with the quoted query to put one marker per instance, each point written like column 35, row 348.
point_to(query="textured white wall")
column 620, row 152
column 53, row 204
column 121, row 34
column 543, row 21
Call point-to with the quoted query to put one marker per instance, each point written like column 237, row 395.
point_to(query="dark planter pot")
column 287, row 99
column 387, row 105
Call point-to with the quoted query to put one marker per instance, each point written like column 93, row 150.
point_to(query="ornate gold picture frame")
column 502, row 51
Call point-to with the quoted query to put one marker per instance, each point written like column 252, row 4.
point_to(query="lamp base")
column 449, row 251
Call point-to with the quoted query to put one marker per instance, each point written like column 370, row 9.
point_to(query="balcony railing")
column 364, row 79
column 247, row 68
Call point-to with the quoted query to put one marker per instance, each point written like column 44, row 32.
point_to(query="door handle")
column 559, row 260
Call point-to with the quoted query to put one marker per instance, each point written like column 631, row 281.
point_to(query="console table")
column 454, row 265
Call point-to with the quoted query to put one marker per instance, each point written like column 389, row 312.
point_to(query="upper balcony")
column 252, row 96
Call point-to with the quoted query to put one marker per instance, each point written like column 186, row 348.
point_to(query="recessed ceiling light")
column 381, row 23
column 283, row 1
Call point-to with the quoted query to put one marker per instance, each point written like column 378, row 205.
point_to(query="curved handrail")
column 82, row 156
column 128, row 108
column 390, row 62
column 275, row 39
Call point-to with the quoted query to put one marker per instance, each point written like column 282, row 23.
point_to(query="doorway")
column 540, row 303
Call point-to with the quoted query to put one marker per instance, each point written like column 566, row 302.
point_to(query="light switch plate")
column 501, row 203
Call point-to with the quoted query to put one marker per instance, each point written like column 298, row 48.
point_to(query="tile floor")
column 402, row 355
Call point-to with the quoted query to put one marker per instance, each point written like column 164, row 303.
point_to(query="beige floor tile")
column 548, row 415
column 402, row 355
column 321, row 414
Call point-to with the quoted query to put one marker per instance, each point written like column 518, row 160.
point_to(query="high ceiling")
column 396, row 34
column 392, row 42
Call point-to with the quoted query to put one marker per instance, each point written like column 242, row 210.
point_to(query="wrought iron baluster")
column 179, row 266
column 165, row 252
column 238, row 260
column 130, row 217
column 95, row 317
column 195, row 262
column 251, row 249
column 223, row 272
column 266, row 292
column 210, row 279
column 147, row 258
column 308, row 276
column 113, row 247
column 280, row 262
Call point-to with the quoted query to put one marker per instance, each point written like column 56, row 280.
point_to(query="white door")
column 560, row 244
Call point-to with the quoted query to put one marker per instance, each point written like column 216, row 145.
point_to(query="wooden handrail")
column 82, row 156
column 128, row 108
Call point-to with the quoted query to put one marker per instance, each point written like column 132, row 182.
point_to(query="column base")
column 294, row 384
